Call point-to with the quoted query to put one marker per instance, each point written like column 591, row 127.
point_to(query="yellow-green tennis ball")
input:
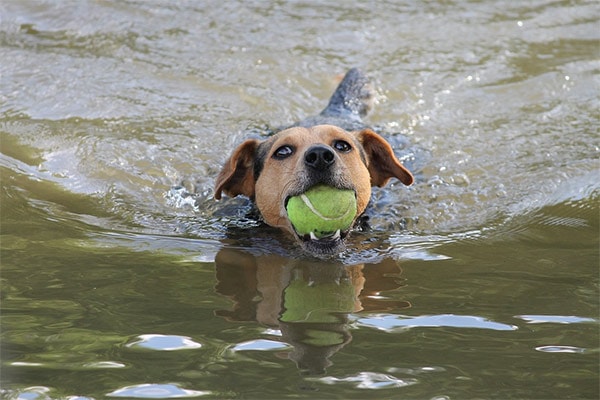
column 322, row 210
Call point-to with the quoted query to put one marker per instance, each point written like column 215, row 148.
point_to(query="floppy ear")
column 237, row 175
column 381, row 161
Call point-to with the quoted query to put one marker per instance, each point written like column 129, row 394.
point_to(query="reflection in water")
column 308, row 300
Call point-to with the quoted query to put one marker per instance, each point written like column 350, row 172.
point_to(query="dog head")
column 292, row 161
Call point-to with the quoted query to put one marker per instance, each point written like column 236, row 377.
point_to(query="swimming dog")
column 333, row 148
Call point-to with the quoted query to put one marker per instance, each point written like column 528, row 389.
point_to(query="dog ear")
column 237, row 175
column 381, row 161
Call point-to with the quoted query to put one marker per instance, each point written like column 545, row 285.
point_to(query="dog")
column 333, row 148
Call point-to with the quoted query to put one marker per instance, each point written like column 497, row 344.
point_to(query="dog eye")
column 341, row 145
column 283, row 152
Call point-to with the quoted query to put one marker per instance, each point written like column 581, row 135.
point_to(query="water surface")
column 479, row 281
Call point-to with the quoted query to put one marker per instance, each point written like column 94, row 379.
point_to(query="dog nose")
column 319, row 157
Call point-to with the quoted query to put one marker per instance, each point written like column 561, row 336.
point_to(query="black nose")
column 319, row 157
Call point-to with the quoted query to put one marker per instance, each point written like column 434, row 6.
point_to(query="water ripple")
column 370, row 380
column 165, row 342
column 391, row 322
column 560, row 349
column 556, row 319
column 156, row 391
column 260, row 345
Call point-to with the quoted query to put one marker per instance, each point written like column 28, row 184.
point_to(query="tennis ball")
column 322, row 210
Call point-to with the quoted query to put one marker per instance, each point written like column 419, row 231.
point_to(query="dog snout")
column 319, row 157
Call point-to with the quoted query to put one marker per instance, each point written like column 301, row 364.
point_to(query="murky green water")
column 479, row 281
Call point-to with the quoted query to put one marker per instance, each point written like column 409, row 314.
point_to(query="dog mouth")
column 325, row 239
column 326, row 245
column 329, row 237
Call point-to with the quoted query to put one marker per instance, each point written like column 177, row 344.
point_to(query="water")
column 479, row 281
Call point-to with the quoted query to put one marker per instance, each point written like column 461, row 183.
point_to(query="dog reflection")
column 307, row 300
